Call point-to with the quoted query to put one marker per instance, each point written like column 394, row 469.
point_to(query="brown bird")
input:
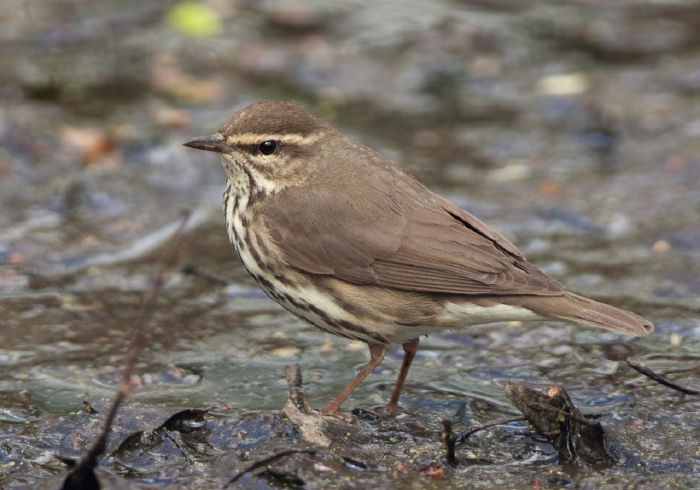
column 346, row 240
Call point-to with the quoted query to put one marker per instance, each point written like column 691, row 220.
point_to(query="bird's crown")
column 275, row 120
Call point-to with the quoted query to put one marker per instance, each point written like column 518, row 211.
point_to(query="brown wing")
column 428, row 246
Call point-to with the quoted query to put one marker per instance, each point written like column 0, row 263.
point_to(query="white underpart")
column 239, row 179
column 471, row 314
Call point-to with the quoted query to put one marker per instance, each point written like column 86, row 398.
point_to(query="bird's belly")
column 316, row 306
column 300, row 293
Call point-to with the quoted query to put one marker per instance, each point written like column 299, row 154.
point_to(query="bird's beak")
column 214, row 142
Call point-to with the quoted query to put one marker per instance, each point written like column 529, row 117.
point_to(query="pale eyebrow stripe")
column 254, row 138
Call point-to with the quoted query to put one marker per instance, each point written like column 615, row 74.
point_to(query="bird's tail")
column 577, row 308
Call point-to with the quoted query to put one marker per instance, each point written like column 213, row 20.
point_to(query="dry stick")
column 674, row 357
column 448, row 440
column 544, row 406
column 268, row 460
column 198, row 271
column 643, row 369
column 477, row 428
column 138, row 343
column 296, row 392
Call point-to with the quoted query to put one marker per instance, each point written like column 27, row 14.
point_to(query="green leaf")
column 195, row 19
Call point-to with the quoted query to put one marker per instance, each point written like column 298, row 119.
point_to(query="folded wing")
column 425, row 246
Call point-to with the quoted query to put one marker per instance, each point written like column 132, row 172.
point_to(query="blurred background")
column 572, row 126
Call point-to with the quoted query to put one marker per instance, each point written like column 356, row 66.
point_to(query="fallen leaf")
column 433, row 471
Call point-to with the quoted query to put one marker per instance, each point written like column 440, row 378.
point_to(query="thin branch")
column 138, row 343
column 643, row 369
column 476, row 428
column 267, row 461
column 296, row 392
column 674, row 357
column 207, row 274
column 448, row 440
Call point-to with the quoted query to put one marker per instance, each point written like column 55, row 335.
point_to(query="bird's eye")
column 268, row 147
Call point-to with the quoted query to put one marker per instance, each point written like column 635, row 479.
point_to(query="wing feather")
column 428, row 245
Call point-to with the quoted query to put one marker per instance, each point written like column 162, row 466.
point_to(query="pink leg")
column 409, row 349
column 376, row 353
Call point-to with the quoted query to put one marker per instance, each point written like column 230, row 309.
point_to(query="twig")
column 207, row 274
column 477, row 428
column 643, row 369
column 544, row 406
column 138, row 343
column 674, row 357
column 448, row 440
column 267, row 461
column 296, row 392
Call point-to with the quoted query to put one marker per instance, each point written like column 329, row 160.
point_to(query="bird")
column 348, row 241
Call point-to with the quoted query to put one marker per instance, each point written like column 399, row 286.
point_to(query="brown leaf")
column 98, row 149
column 555, row 417
column 433, row 471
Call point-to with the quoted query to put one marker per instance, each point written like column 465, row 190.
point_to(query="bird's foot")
column 377, row 415
column 349, row 418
